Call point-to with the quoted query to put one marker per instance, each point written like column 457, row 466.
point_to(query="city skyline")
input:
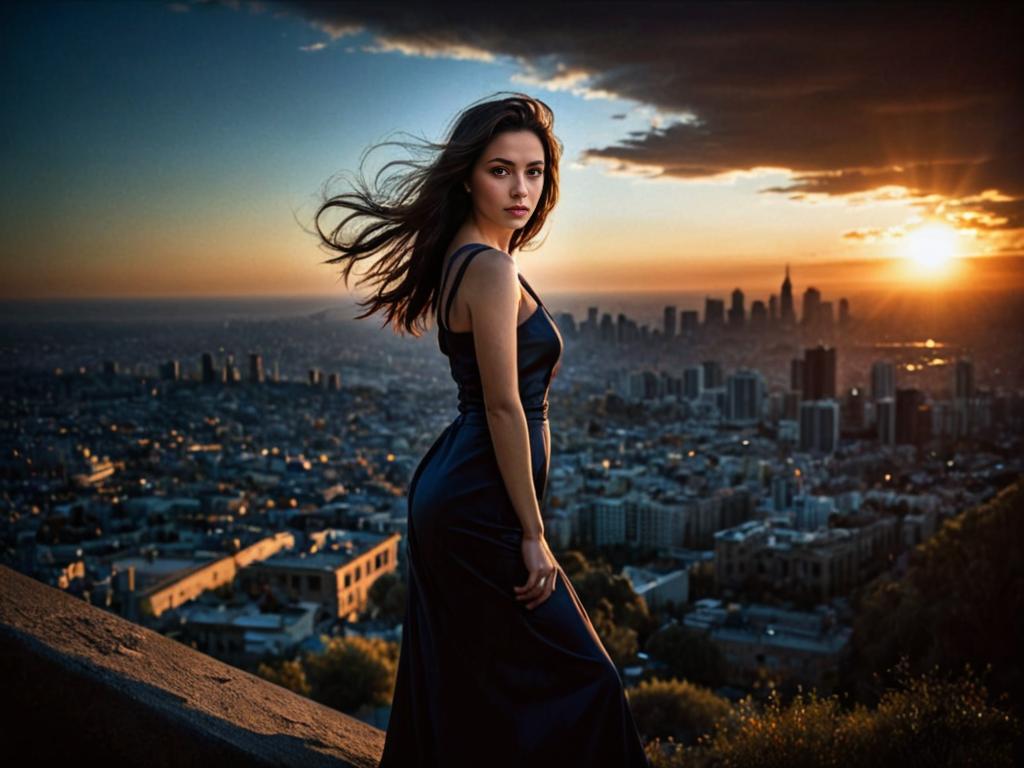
column 192, row 140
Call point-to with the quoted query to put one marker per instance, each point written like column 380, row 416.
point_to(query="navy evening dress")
column 482, row 680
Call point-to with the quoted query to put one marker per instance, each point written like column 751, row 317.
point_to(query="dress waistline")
column 533, row 411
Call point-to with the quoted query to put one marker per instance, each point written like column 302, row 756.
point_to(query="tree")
column 352, row 672
column 960, row 601
column 688, row 654
column 386, row 598
column 287, row 673
column 676, row 708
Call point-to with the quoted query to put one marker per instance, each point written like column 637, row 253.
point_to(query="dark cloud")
column 850, row 97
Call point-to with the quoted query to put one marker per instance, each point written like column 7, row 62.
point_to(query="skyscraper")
column 819, row 426
column 689, row 322
column 744, row 394
column 670, row 322
column 883, row 380
column 714, row 312
column 256, row 375
column 811, row 308
column 693, row 382
column 758, row 314
column 963, row 388
column 737, row 311
column 788, row 317
column 712, row 374
column 819, row 373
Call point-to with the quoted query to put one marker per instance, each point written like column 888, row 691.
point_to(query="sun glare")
column 931, row 251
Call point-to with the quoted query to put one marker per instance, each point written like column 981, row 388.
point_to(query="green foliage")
column 926, row 721
column 619, row 641
column 688, row 655
column 386, row 598
column 287, row 673
column 961, row 601
column 676, row 708
column 353, row 672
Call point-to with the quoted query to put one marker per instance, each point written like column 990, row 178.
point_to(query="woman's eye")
column 539, row 171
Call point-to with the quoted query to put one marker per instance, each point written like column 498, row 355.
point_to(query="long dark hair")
column 415, row 216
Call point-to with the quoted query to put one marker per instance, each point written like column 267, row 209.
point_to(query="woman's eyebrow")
column 509, row 162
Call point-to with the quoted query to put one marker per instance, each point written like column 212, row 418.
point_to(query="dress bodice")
column 539, row 348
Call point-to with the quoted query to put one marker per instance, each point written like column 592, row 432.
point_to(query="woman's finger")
column 542, row 585
column 549, row 588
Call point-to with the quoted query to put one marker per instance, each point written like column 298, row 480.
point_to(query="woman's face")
column 509, row 173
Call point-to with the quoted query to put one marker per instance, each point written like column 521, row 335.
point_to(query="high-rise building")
column 171, row 370
column 689, row 322
column 819, row 373
column 826, row 318
column 885, row 419
column 209, row 371
column 853, row 409
column 714, row 312
column 963, row 398
column 773, row 309
column 909, row 403
column 737, row 311
column 256, row 375
column 788, row 313
column 812, row 304
column 796, row 374
column 670, row 322
column 883, row 380
column 693, row 382
column 844, row 313
column 963, row 384
column 758, row 315
column 744, row 394
column 712, row 374
column 782, row 493
column 819, row 425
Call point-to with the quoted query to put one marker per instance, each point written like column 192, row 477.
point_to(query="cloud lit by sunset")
column 706, row 145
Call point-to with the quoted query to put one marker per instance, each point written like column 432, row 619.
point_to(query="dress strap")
column 458, row 278
column 532, row 292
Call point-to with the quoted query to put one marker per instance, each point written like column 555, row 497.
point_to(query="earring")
column 466, row 187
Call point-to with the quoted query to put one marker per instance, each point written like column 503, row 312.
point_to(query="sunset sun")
column 931, row 250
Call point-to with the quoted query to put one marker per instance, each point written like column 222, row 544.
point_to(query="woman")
column 499, row 663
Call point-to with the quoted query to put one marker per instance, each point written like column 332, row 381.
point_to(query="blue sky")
column 162, row 149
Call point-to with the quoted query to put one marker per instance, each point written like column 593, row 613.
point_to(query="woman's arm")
column 492, row 293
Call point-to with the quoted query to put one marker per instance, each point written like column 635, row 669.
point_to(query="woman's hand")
column 543, row 570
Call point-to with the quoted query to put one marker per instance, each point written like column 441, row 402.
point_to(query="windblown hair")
column 414, row 216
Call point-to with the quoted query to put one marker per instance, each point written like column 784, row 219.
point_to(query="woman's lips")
column 518, row 211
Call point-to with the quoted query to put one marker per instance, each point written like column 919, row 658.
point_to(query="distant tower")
column 773, row 309
column 812, row 306
column 670, row 322
column 737, row 311
column 714, row 312
column 689, row 322
column 883, row 380
column 788, row 316
column 209, row 374
column 712, row 374
column 758, row 314
column 256, row 374
column 963, row 382
column 819, row 373
column 744, row 396
column 844, row 312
